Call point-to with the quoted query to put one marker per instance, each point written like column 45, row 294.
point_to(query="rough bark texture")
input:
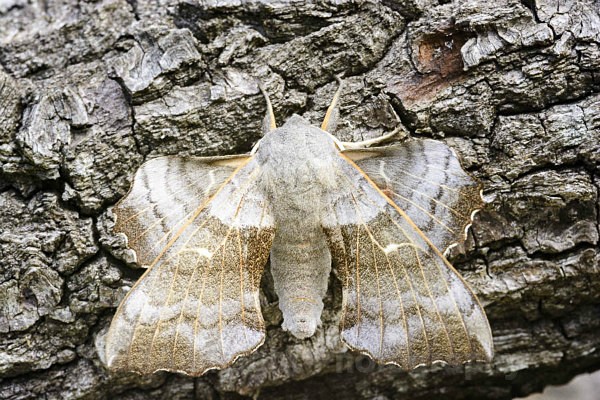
column 90, row 89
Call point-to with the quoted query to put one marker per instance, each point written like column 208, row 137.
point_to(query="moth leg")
column 269, row 120
column 370, row 142
column 331, row 116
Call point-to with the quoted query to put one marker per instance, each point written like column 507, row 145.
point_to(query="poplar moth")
column 205, row 227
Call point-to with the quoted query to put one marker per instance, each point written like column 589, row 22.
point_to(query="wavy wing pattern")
column 196, row 308
column 403, row 303
column 425, row 179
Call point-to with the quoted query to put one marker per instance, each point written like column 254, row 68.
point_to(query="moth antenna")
column 269, row 122
column 332, row 107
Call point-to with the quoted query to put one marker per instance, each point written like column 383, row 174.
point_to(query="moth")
column 205, row 227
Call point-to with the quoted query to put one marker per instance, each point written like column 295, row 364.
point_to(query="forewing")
column 197, row 307
column 164, row 194
column 425, row 179
column 403, row 303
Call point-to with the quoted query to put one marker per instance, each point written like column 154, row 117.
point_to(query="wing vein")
column 160, row 314
column 379, row 298
column 452, row 210
column 460, row 314
column 221, row 298
column 187, row 292
column 425, row 211
column 357, row 264
column 408, row 360
column 373, row 244
column 197, row 319
column 421, row 179
column 408, row 279
column 139, row 316
column 434, row 303
column 241, row 271
column 426, row 239
column 446, row 283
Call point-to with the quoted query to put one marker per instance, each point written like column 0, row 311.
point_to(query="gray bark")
column 90, row 89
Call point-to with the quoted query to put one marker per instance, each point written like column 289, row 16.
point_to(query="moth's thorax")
column 295, row 162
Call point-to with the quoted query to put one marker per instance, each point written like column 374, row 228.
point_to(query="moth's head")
column 296, row 121
column 296, row 137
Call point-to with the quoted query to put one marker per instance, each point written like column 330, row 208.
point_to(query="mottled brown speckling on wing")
column 403, row 303
column 197, row 307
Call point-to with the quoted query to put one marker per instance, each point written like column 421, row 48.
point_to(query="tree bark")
column 91, row 89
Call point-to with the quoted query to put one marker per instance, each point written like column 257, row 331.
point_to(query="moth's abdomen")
column 300, row 267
